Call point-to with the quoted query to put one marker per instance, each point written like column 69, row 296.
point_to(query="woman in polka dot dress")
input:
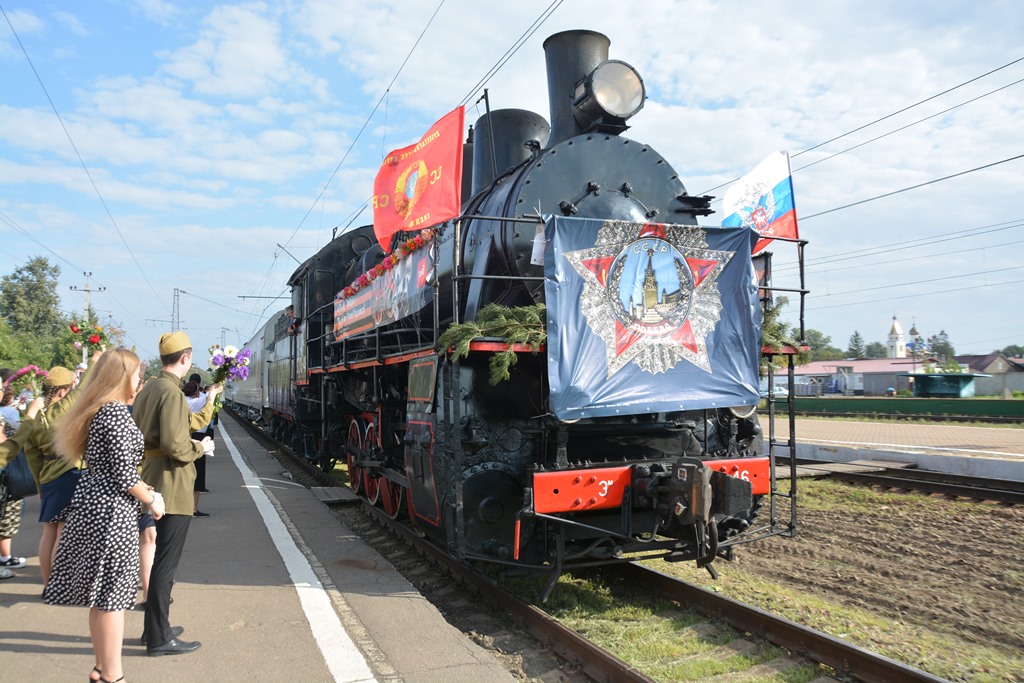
column 97, row 560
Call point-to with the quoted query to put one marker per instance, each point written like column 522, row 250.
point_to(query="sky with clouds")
column 207, row 147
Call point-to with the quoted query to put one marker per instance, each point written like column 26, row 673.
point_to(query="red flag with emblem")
column 420, row 185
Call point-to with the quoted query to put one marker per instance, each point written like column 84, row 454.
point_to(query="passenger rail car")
column 631, row 430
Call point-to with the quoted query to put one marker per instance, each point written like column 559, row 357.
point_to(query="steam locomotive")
column 630, row 431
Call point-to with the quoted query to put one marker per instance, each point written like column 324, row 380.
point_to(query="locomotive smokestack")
column 570, row 56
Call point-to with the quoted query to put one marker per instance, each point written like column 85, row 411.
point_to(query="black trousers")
column 200, row 463
column 171, row 531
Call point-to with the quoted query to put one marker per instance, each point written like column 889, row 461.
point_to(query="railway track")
column 952, row 485
column 597, row 663
column 925, row 481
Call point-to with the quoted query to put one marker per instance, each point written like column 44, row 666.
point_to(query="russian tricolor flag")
column 763, row 199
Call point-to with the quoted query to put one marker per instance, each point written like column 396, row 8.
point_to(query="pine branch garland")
column 523, row 325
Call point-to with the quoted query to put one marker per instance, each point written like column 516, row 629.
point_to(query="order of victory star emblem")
column 650, row 293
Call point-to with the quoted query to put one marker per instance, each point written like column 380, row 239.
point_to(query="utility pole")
column 88, row 320
column 176, row 311
column 223, row 340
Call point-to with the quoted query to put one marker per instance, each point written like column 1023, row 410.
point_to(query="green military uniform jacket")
column 36, row 438
column 162, row 415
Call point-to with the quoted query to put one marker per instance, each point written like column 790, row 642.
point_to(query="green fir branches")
column 523, row 326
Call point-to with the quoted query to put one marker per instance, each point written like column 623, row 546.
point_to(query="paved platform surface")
column 274, row 586
column 938, row 438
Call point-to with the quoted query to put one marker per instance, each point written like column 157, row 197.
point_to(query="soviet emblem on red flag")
column 650, row 292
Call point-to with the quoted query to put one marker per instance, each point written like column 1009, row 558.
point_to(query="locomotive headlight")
column 610, row 94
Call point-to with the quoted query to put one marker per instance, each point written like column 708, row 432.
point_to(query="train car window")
column 422, row 373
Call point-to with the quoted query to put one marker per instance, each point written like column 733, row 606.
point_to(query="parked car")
column 779, row 391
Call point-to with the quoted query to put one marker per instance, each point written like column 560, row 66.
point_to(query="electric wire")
column 366, row 122
column 913, row 296
column 887, row 116
column 516, row 45
column 81, row 161
column 909, row 125
column 900, row 246
column 912, row 187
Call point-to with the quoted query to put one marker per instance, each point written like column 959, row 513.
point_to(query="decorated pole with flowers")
column 88, row 337
column 228, row 364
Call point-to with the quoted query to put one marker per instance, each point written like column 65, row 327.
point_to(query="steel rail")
column 596, row 662
column 605, row 667
column 599, row 664
column 842, row 656
column 907, row 481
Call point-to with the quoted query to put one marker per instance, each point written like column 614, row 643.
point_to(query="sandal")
column 99, row 675
column 103, row 680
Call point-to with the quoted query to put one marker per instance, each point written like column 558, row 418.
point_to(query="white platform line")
column 918, row 448
column 344, row 660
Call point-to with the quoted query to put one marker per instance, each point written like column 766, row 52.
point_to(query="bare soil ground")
column 933, row 582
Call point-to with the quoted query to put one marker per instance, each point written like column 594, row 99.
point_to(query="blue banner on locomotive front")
column 647, row 318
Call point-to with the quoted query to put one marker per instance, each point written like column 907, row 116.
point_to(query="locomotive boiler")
column 627, row 429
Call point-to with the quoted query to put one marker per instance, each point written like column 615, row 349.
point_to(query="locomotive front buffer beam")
column 687, row 494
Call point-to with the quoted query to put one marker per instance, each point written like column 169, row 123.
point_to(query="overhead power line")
column 914, row 296
column 366, row 122
column 81, row 161
column 887, row 116
column 907, row 189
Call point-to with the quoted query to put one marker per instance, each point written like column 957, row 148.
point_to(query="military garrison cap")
column 59, row 376
column 172, row 342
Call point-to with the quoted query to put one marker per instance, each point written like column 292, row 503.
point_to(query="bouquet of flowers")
column 28, row 380
column 228, row 364
column 88, row 335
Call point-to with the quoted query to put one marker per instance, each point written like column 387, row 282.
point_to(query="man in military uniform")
column 162, row 415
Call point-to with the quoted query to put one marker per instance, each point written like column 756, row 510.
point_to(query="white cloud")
column 71, row 23
column 238, row 54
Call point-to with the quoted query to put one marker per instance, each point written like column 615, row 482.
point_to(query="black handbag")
column 16, row 479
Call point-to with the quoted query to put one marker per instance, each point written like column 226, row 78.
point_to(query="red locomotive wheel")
column 371, row 477
column 391, row 497
column 354, row 444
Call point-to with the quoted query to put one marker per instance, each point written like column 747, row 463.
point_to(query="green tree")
column 1013, row 350
column 875, row 350
column 29, row 301
column 821, row 346
column 856, row 347
column 939, row 345
column 34, row 330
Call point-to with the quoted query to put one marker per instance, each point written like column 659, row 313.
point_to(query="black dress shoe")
column 197, row 513
column 175, row 632
column 173, row 647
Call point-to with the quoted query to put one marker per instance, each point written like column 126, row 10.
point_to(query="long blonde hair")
column 112, row 379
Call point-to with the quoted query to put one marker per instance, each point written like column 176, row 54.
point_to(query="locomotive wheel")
column 392, row 496
column 354, row 444
column 371, row 478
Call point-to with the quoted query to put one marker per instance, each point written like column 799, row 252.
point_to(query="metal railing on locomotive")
column 789, row 446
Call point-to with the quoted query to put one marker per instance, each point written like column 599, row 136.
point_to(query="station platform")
column 995, row 452
column 272, row 583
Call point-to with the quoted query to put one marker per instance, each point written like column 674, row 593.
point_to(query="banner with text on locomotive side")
column 420, row 185
column 395, row 293
column 647, row 318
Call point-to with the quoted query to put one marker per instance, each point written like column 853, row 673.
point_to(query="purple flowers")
column 229, row 364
